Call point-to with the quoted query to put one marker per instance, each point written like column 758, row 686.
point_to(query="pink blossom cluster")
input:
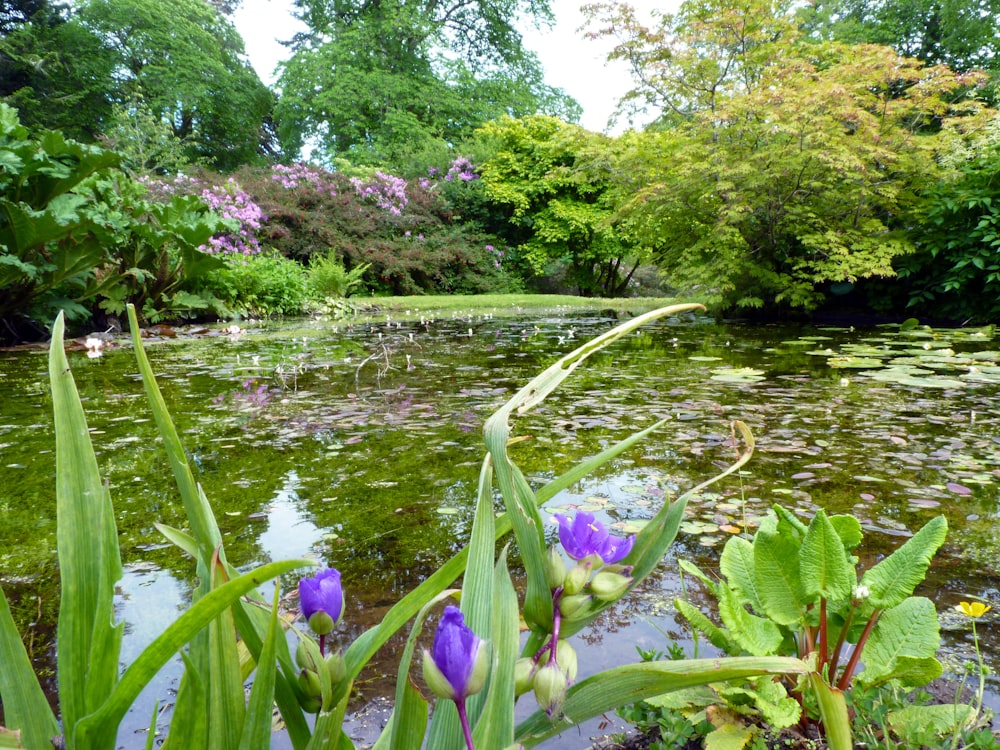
column 232, row 202
column 161, row 190
column 291, row 177
column 384, row 190
column 461, row 169
column 497, row 255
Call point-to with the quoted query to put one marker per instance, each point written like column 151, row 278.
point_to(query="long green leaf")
column 633, row 682
column 203, row 525
column 189, row 724
column 226, row 699
column 98, row 729
column 89, row 559
column 495, row 727
column 826, row 572
column 257, row 727
column 24, row 705
column 833, row 711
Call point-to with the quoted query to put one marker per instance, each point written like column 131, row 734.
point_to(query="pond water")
column 360, row 443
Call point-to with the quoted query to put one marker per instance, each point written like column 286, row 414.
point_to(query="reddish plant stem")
column 852, row 663
column 463, row 717
column 838, row 649
column 823, row 654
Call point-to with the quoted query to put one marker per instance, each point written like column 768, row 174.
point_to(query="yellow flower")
column 975, row 609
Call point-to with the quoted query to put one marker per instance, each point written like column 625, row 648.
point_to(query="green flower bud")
column 566, row 659
column 338, row 668
column 306, row 654
column 571, row 606
column 524, row 675
column 310, row 684
column 555, row 569
column 610, row 586
column 577, row 578
column 550, row 689
column 321, row 623
column 310, row 705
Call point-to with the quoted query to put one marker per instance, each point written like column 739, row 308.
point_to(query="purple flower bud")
column 585, row 536
column 457, row 665
column 322, row 600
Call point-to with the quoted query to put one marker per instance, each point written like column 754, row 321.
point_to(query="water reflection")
column 360, row 445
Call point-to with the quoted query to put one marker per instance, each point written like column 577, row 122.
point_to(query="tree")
column 555, row 179
column 962, row 34
column 372, row 81
column 791, row 164
column 54, row 72
column 189, row 66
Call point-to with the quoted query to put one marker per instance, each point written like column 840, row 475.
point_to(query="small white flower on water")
column 844, row 382
column 94, row 343
column 861, row 593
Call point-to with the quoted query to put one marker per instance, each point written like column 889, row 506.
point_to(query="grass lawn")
column 501, row 304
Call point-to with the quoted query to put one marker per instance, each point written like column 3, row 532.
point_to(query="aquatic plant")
column 211, row 708
column 795, row 590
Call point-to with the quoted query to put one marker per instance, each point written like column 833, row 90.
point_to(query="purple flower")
column 322, row 600
column 457, row 665
column 585, row 536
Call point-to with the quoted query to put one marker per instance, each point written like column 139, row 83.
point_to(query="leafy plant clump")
column 795, row 590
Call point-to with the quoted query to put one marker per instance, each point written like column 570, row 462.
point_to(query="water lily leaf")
column 737, row 375
column 958, row 489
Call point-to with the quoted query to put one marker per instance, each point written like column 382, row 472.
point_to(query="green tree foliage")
column 962, row 34
column 957, row 273
column 554, row 179
column 56, row 73
column 189, row 65
column 180, row 58
column 783, row 165
column 375, row 81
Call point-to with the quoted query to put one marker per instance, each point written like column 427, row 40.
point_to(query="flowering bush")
column 384, row 190
column 232, row 202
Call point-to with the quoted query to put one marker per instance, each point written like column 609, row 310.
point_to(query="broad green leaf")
column 99, row 728
column 908, row 630
column 848, row 529
column 776, row 555
column 634, row 682
column 24, row 705
column 895, row 578
column 89, row 559
column 943, row 720
column 757, row 636
column 777, row 707
column 257, row 726
column 736, row 564
column 823, row 565
column 717, row 636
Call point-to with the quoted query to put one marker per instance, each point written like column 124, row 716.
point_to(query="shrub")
column 329, row 278
column 261, row 285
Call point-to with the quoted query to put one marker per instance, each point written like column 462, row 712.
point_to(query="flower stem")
column 463, row 717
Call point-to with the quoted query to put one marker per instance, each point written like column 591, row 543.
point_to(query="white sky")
column 571, row 62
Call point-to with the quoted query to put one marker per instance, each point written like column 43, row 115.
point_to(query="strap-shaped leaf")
column 98, row 729
column 89, row 559
column 634, row 682
column 24, row 705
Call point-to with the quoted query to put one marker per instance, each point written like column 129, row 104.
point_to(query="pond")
column 359, row 443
